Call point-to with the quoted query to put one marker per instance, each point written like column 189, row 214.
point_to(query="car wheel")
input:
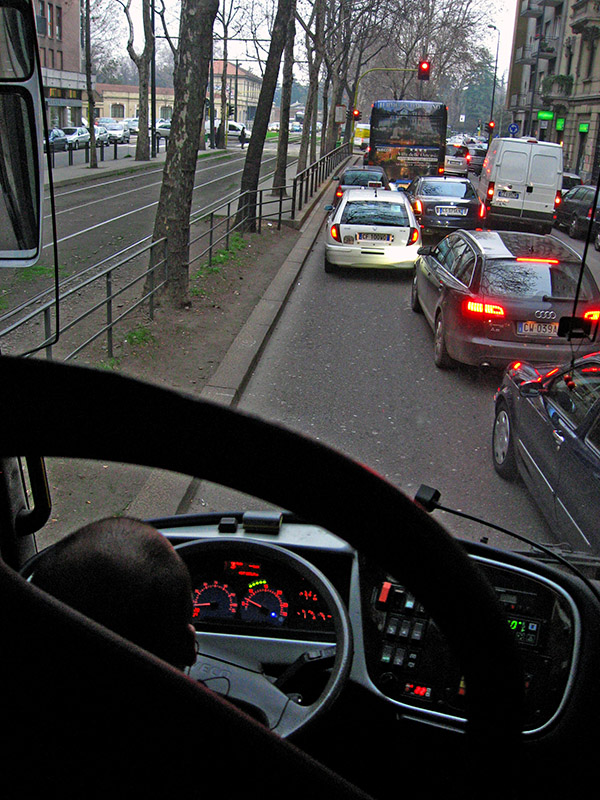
column 503, row 451
column 415, row 303
column 440, row 354
column 573, row 230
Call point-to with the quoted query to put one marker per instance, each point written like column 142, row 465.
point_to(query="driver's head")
column 124, row 574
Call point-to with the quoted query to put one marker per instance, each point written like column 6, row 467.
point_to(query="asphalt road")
column 350, row 364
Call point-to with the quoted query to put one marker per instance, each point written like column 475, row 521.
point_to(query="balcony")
column 556, row 88
column 524, row 55
column 531, row 8
column 551, row 3
column 583, row 14
column 547, row 47
column 518, row 102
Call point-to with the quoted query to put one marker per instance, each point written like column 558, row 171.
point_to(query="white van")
column 520, row 182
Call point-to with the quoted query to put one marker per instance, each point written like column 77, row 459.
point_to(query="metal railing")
column 102, row 296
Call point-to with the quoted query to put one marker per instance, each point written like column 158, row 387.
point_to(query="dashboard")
column 400, row 656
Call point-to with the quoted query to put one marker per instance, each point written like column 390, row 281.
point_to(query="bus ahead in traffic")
column 408, row 138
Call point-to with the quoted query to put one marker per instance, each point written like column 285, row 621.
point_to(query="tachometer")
column 263, row 604
column 214, row 601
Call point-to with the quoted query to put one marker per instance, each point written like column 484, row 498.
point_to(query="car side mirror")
column 425, row 251
column 328, row 207
column 531, row 389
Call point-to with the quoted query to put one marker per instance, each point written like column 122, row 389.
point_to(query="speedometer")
column 263, row 604
column 214, row 601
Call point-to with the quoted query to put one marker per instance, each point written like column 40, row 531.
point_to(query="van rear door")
column 543, row 180
column 511, row 178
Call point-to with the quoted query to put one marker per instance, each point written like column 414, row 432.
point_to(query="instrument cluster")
column 256, row 593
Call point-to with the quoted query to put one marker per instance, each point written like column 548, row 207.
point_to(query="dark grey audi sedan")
column 492, row 297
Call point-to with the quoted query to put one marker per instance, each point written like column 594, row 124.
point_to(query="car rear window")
column 361, row 178
column 458, row 150
column 372, row 212
column 462, row 190
column 70, row 130
column 522, row 279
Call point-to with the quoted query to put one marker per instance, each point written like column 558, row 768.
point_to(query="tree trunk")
column 279, row 178
column 222, row 132
column 142, row 147
column 190, row 81
column 90, row 89
column 251, row 174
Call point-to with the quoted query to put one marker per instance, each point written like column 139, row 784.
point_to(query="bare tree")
column 89, row 86
column 229, row 15
column 142, row 61
column 190, row 79
column 279, row 178
column 251, row 174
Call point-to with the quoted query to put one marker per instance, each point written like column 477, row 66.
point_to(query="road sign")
column 513, row 128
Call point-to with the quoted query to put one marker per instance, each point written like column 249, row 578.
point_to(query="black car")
column 478, row 152
column 492, row 297
column 569, row 181
column 445, row 204
column 575, row 210
column 360, row 177
column 547, row 430
column 57, row 140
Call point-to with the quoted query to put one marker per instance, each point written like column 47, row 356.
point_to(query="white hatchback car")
column 372, row 228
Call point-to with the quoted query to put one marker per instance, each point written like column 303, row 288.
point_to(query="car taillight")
column 440, row 170
column 418, row 207
column 480, row 308
column 481, row 211
column 490, row 191
column 535, row 260
column 593, row 315
column 339, row 191
column 335, row 232
column 589, row 214
column 468, row 158
column 558, row 199
column 413, row 235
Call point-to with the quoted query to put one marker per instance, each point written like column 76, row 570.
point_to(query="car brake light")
column 440, row 170
column 589, row 214
column 490, row 190
column 558, row 199
column 538, row 260
column 418, row 207
column 481, row 211
column 593, row 315
column 339, row 191
column 335, row 232
column 468, row 158
column 478, row 307
column 413, row 235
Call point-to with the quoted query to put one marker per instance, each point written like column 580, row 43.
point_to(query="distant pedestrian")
column 242, row 138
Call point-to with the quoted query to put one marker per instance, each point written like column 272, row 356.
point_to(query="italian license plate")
column 507, row 194
column 450, row 211
column 534, row 328
column 374, row 237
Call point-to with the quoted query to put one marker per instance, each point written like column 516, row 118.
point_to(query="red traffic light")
column 356, row 114
column 491, row 124
column 424, row 70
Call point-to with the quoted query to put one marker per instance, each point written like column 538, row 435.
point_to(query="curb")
column 173, row 493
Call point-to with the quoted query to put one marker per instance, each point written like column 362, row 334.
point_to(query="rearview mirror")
column 531, row 389
column 425, row 251
column 21, row 150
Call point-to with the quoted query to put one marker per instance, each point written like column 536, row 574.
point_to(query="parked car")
column 547, row 430
column 575, row 210
column 101, row 134
column 57, row 140
column 163, row 129
column 445, row 204
column 372, row 228
column 118, row 132
column 492, row 297
column 103, row 121
column 569, row 181
column 77, row 137
column 133, row 124
column 478, row 153
column 360, row 177
column 457, row 159
column 235, row 128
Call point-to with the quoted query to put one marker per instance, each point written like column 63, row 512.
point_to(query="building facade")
column 554, row 83
column 59, row 43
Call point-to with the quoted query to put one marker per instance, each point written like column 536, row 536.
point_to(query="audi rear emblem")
column 545, row 315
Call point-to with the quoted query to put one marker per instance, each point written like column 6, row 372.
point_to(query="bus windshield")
column 408, row 138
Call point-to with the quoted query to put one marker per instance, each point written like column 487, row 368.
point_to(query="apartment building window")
column 43, row 56
column 50, row 59
column 593, row 45
column 59, row 23
column 59, row 59
column 50, row 21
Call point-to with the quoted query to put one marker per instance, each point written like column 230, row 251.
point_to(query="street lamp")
column 494, row 84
